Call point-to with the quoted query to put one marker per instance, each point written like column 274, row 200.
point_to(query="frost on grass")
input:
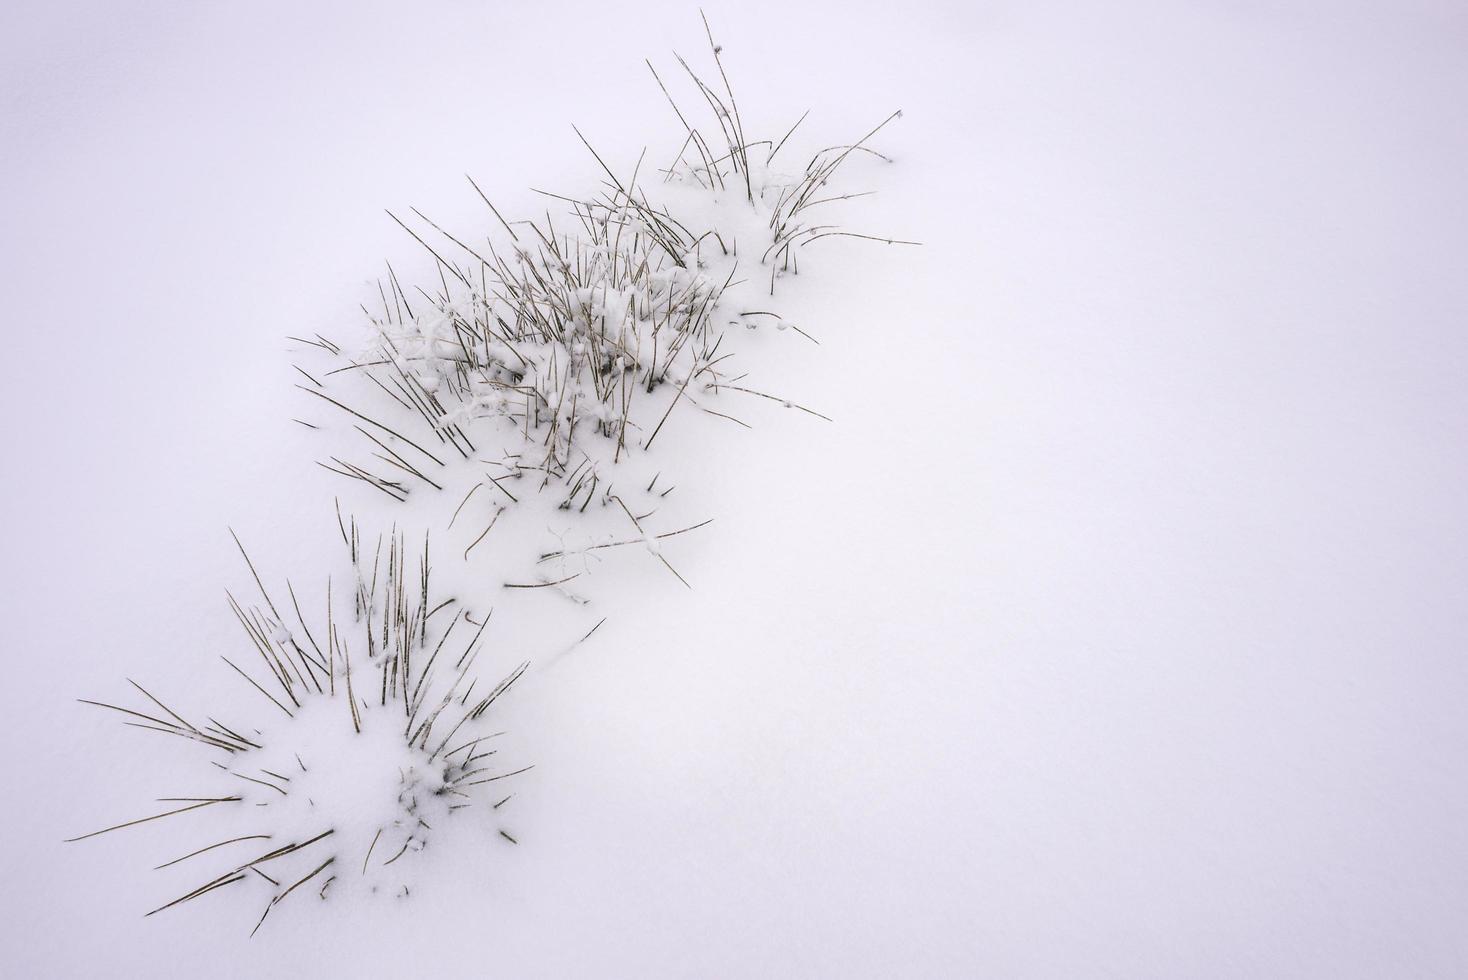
column 368, row 734
column 544, row 361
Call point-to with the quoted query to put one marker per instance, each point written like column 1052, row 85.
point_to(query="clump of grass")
column 372, row 735
column 562, row 348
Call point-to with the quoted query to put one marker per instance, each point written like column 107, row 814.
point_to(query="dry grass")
column 391, row 656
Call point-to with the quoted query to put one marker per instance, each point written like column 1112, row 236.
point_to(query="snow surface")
column 1113, row 626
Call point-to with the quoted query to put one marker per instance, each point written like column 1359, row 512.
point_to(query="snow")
column 1111, row 626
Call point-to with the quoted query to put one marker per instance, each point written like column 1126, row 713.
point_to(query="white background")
column 1115, row 628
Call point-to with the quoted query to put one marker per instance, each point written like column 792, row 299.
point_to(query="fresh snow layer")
column 1112, row 625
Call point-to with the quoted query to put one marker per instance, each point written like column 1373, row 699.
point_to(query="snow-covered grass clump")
column 543, row 363
column 367, row 735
